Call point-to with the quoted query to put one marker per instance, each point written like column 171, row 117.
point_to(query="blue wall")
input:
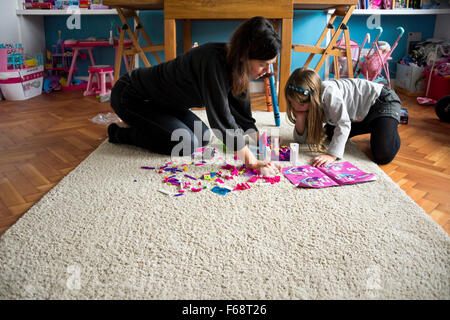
column 307, row 27
column 91, row 26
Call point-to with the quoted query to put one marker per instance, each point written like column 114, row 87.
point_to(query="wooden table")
column 186, row 10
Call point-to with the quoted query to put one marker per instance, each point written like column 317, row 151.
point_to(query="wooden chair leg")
column 322, row 37
column 145, row 34
column 119, row 54
column 123, row 14
column 348, row 52
column 332, row 44
column 336, row 67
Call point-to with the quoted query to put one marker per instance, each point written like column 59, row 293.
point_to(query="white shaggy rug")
column 105, row 232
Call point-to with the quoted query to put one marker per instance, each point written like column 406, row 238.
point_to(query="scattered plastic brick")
column 219, row 190
column 217, row 178
column 272, row 180
column 165, row 192
column 242, row 186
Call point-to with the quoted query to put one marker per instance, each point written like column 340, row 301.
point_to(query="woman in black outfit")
column 155, row 101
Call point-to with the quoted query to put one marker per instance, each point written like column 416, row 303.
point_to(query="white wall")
column 442, row 27
column 8, row 21
column 32, row 34
column 28, row 30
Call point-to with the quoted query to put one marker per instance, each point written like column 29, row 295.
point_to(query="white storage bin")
column 22, row 84
column 410, row 79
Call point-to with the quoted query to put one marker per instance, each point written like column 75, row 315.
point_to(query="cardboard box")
column 410, row 79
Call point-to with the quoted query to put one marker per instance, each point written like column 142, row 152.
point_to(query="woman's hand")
column 323, row 160
column 267, row 168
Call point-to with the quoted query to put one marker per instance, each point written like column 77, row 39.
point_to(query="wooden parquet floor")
column 44, row 138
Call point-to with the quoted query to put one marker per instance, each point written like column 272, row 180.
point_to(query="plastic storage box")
column 19, row 79
column 22, row 84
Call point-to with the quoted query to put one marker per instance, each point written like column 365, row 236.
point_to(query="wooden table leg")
column 187, row 35
column 285, row 60
column 170, row 39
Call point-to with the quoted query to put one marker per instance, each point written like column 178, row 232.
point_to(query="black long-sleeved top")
column 199, row 77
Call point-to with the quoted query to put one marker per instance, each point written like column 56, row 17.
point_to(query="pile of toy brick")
column 230, row 178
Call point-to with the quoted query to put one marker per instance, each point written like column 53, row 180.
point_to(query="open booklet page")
column 334, row 174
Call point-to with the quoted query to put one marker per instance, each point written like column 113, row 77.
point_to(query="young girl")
column 155, row 101
column 348, row 107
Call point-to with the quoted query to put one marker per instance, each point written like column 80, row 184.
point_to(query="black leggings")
column 151, row 126
column 384, row 137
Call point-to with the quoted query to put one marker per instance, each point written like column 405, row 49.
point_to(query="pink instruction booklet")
column 334, row 174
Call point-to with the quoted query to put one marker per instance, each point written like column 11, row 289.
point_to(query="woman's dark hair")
column 256, row 38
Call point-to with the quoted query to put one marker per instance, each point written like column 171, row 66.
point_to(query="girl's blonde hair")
column 307, row 79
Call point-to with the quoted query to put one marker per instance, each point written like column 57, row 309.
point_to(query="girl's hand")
column 323, row 160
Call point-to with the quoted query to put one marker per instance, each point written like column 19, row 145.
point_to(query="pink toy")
column 272, row 180
column 334, row 174
column 377, row 60
column 342, row 61
column 18, row 81
column 375, row 4
column 89, row 45
column 242, row 186
column 100, row 73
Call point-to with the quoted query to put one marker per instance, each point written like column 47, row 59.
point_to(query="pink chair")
column 100, row 73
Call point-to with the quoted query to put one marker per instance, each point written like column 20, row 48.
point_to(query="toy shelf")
column 395, row 12
column 38, row 12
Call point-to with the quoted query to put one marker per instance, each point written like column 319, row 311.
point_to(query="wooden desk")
column 159, row 4
column 234, row 9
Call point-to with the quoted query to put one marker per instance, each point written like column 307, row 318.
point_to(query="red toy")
column 84, row 4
